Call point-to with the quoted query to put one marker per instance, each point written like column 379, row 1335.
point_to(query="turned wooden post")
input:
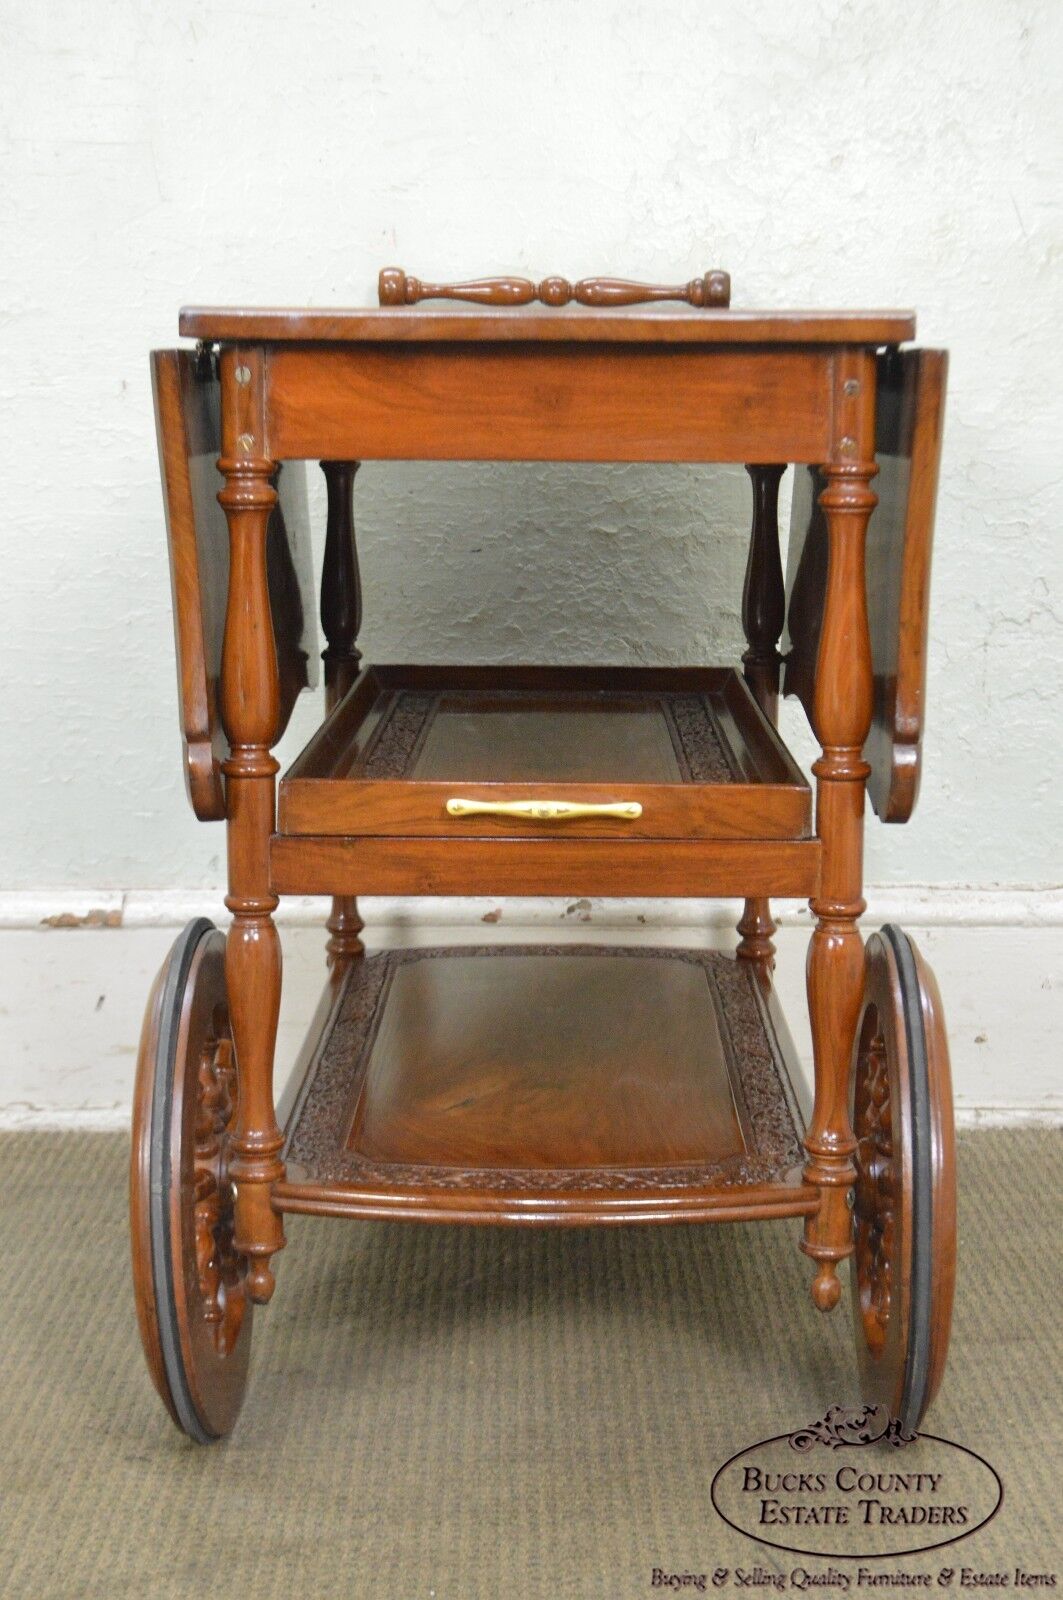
column 250, row 708
column 763, row 612
column 842, row 716
column 341, row 619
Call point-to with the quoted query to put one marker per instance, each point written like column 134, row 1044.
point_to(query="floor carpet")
column 444, row 1412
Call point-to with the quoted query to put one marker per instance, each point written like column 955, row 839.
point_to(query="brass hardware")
column 543, row 810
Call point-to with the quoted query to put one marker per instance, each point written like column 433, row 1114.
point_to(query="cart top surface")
column 689, row 326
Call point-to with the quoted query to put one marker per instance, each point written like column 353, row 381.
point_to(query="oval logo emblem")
column 854, row 1485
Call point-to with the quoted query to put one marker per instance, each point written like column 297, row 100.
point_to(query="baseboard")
column 929, row 906
column 79, row 964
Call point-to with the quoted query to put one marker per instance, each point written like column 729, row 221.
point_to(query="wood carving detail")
column 699, row 747
column 317, row 1144
column 702, row 749
column 875, row 1190
column 219, row 1264
column 393, row 749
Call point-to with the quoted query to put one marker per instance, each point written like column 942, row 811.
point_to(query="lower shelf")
column 541, row 1084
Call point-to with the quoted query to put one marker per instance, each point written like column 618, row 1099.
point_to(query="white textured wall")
column 826, row 152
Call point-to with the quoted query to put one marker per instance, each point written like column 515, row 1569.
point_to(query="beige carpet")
column 447, row 1412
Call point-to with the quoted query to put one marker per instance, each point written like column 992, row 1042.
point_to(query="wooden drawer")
column 519, row 752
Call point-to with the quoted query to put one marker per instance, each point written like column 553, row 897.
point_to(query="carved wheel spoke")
column 875, row 1186
column 218, row 1261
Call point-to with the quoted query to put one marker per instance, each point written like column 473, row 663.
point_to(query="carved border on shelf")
column 700, row 744
column 318, row 1144
column 702, row 755
column 395, row 745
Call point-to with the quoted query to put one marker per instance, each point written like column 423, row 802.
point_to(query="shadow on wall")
column 551, row 563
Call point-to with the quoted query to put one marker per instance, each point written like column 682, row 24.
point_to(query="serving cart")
column 538, row 1085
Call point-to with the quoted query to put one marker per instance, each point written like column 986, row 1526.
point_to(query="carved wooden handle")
column 543, row 810
column 398, row 288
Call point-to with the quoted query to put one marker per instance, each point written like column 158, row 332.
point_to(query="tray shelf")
column 536, row 1084
column 689, row 746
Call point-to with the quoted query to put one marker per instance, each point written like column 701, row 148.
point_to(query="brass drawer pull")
column 543, row 810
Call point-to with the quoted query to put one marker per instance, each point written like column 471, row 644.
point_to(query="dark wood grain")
column 763, row 595
column 341, row 583
column 763, row 613
column 341, row 620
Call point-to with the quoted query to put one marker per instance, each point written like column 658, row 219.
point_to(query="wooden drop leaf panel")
column 910, row 399
column 188, row 430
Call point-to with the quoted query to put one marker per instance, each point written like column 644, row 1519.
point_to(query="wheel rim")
column 196, row 1325
column 915, row 1398
column 904, row 1196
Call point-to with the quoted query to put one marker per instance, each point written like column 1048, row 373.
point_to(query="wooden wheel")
column 194, row 1314
column 904, row 1209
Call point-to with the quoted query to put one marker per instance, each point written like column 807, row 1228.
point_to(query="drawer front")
column 525, row 402
column 561, row 811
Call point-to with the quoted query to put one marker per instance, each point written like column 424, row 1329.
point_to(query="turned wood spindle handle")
column 398, row 288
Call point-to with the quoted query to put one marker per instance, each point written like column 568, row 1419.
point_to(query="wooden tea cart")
column 541, row 1085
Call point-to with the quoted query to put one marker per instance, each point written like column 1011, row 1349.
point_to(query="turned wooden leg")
column 344, row 926
column 341, row 619
column 250, row 701
column 763, row 613
column 756, row 942
column 842, row 705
